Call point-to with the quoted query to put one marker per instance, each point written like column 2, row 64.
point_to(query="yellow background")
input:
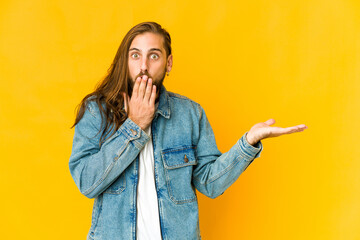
column 244, row 61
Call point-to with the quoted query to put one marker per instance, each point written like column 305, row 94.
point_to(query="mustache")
column 144, row 73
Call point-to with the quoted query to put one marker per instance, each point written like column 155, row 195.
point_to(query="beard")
column 157, row 82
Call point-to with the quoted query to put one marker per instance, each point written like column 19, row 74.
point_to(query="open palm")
column 264, row 130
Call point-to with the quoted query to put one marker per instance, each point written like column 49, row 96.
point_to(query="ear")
column 169, row 63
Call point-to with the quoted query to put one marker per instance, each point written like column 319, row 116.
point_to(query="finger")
column 128, row 100
column 136, row 87
column 278, row 131
column 125, row 101
column 293, row 129
column 148, row 89
column 153, row 95
column 271, row 121
column 142, row 88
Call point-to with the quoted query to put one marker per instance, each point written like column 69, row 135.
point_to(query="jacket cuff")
column 249, row 151
column 134, row 132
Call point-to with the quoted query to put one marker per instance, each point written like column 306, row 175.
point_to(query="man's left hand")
column 263, row 130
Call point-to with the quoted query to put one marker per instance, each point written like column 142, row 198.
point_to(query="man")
column 154, row 149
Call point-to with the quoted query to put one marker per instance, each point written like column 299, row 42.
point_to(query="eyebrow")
column 152, row 49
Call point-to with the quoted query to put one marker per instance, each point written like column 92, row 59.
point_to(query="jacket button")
column 133, row 131
column 186, row 159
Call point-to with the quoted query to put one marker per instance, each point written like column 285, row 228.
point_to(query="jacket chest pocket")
column 118, row 186
column 178, row 164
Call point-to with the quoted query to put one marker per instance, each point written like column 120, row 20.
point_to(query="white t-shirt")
column 148, row 222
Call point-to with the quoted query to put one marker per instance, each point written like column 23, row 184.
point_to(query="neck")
column 157, row 96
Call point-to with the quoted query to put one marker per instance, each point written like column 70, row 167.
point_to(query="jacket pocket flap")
column 179, row 157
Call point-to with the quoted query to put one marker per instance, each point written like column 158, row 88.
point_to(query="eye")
column 134, row 55
column 154, row 56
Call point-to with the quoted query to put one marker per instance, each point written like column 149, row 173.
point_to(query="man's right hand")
column 142, row 102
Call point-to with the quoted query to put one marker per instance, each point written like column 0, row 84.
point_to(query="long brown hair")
column 117, row 80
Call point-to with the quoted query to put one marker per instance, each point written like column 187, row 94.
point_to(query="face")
column 147, row 56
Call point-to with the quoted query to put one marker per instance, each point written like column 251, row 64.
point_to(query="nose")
column 144, row 65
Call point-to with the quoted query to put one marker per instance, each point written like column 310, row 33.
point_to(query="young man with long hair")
column 141, row 151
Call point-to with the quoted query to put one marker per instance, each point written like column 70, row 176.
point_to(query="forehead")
column 148, row 40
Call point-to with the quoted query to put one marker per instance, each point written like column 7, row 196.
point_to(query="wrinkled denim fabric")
column 186, row 158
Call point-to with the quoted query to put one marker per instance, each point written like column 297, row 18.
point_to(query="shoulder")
column 186, row 103
column 92, row 107
column 182, row 99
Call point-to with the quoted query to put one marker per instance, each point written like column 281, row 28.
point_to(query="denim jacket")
column 186, row 158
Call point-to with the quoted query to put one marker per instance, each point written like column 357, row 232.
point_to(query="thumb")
column 270, row 121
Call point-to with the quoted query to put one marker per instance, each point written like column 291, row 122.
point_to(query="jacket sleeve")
column 95, row 168
column 215, row 172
